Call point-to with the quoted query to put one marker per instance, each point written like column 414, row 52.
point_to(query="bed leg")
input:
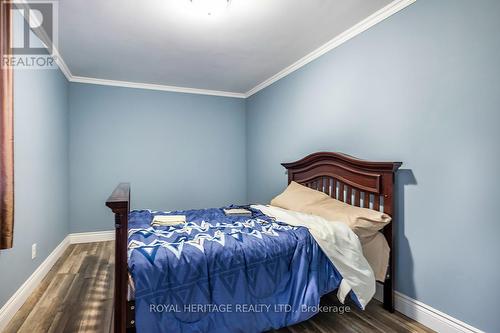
column 389, row 280
column 389, row 295
column 119, row 202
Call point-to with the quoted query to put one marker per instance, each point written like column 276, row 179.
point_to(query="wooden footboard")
column 119, row 202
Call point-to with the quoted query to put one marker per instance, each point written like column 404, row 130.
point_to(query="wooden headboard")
column 356, row 182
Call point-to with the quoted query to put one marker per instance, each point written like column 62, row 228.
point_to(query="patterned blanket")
column 219, row 273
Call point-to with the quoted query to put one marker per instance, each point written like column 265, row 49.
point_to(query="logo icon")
column 34, row 37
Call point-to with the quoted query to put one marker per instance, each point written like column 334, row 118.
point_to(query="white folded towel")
column 237, row 211
column 168, row 220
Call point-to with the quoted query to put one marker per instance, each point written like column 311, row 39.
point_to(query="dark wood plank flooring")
column 77, row 296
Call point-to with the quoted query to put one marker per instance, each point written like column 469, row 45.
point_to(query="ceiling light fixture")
column 210, row 7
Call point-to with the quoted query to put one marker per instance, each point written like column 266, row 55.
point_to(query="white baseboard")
column 426, row 315
column 90, row 237
column 21, row 295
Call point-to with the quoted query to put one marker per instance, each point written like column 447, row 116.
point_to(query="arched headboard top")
column 347, row 172
column 342, row 158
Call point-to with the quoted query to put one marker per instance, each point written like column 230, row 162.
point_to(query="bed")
column 139, row 249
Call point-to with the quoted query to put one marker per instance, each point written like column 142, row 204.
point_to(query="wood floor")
column 77, row 296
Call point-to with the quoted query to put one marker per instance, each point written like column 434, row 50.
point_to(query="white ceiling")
column 167, row 42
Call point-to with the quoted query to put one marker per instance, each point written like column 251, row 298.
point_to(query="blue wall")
column 422, row 87
column 178, row 151
column 41, row 172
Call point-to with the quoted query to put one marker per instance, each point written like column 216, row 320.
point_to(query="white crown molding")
column 137, row 85
column 10, row 308
column 360, row 27
column 427, row 315
column 91, row 237
column 62, row 65
column 364, row 25
column 150, row 86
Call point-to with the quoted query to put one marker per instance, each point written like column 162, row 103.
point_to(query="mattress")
column 225, row 273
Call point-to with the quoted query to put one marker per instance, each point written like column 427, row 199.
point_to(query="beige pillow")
column 297, row 197
column 377, row 251
column 364, row 222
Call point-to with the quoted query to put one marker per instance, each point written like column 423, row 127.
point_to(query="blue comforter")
column 218, row 273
